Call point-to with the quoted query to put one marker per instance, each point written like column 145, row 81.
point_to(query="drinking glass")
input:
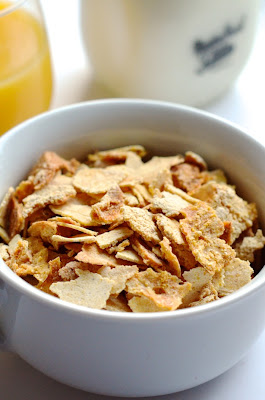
column 25, row 65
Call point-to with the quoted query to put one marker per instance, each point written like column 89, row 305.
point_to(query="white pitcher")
column 186, row 51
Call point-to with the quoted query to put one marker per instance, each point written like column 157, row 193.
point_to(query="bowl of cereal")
column 132, row 245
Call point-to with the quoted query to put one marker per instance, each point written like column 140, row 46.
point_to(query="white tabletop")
column 243, row 105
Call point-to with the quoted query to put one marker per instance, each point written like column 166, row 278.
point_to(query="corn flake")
column 163, row 289
column 141, row 221
column 88, row 290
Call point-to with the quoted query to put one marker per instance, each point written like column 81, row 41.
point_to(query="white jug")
column 185, row 51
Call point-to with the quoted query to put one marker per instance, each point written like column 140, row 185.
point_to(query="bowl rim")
column 8, row 276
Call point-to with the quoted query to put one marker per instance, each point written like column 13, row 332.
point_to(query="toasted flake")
column 75, row 227
column 130, row 199
column 92, row 254
column 202, row 229
column 21, row 258
column 129, row 255
column 118, row 304
column 111, row 238
column 216, row 175
column 119, row 275
column 207, row 295
column 228, row 206
column 246, row 249
column 96, row 180
column 185, row 256
column 14, row 217
column 169, row 228
column 141, row 221
column 4, row 254
column 89, row 290
column 24, row 189
column 170, row 204
column 43, row 229
column 77, row 210
column 53, row 275
column 150, row 171
column 39, row 259
column 67, row 273
column 164, row 289
column 179, row 192
column 144, row 304
column 194, row 158
column 198, row 277
column 108, row 210
column 227, row 234
column 171, row 258
column 148, row 257
column 73, row 239
column 47, row 166
column 4, row 206
column 114, row 156
column 133, row 160
column 50, row 194
column 4, row 235
column 187, row 177
column 163, row 178
column 119, row 246
column 142, row 194
column 157, row 251
column 236, row 274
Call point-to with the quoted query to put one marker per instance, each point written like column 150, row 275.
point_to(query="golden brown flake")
column 169, row 204
column 202, row 229
column 187, row 177
column 196, row 159
column 92, row 254
column 116, row 156
column 74, row 208
column 172, row 259
column 228, row 206
column 88, row 290
column 148, row 257
column 50, row 194
column 246, row 249
column 129, row 255
column 111, row 238
column 169, row 228
column 4, row 206
column 47, row 166
column 119, row 275
column 236, row 274
column 43, row 229
column 4, row 254
column 165, row 290
column 141, row 222
column 4, row 235
column 118, row 304
column 97, row 180
column 207, row 295
column 108, row 210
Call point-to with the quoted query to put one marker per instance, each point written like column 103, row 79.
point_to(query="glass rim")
column 10, row 7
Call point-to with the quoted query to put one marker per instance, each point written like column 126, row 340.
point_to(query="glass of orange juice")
column 25, row 65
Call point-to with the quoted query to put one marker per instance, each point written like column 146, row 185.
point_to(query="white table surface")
column 243, row 104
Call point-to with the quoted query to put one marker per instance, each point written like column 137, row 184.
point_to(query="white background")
column 244, row 105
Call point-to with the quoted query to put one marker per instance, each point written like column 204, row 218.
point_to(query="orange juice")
column 25, row 68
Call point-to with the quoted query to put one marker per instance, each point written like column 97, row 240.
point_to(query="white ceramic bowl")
column 132, row 354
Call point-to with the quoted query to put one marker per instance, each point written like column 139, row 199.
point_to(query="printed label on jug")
column 214, row 50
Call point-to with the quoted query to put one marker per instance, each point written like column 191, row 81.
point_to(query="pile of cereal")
column 120, row 234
